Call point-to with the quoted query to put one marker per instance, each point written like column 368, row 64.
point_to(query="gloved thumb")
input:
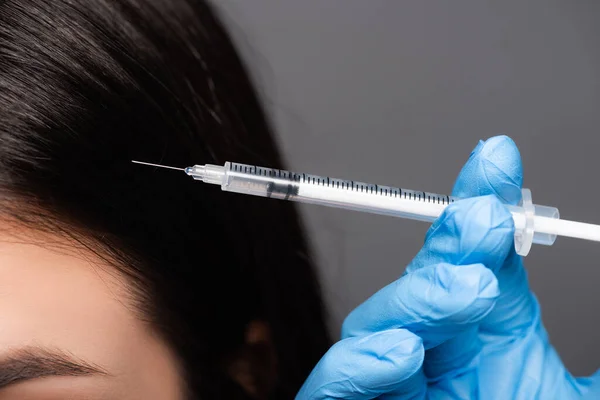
column 479, row 230
column 474, row 230
column 494, row 167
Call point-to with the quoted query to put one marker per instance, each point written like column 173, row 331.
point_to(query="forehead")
column 73, row 302
column 42, row 287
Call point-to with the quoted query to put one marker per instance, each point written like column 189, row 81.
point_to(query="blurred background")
column 399, row 93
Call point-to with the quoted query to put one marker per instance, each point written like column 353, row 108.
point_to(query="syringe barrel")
column 350, row 195
column 365, row 197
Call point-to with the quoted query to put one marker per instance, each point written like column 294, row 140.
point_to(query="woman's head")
column 167, row 279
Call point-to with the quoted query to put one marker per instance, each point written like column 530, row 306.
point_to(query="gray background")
column 399, row 92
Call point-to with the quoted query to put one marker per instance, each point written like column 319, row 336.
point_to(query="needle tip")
column 157, row 165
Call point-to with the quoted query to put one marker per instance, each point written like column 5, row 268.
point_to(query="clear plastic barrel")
column 360, row 196
column 347, row 194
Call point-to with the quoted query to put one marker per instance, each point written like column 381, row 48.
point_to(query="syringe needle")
column 534, row 223
column 157, row 165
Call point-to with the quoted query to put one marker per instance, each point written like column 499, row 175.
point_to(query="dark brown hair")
column 87, row 86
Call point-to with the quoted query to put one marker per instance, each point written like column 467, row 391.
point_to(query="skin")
column 73, row 305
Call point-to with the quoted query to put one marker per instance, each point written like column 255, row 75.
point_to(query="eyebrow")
column 36, row 362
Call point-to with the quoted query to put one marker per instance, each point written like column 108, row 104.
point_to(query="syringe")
column 533, row 223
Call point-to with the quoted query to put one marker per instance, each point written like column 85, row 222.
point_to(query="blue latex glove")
column 461, row 322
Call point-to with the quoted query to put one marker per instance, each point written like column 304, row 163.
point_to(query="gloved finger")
column 367, row 367
column 475, row 230
column 494, row 167
column 435, row 303
column 472, row 231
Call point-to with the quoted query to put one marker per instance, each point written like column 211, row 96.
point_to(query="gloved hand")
column 461, row 322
